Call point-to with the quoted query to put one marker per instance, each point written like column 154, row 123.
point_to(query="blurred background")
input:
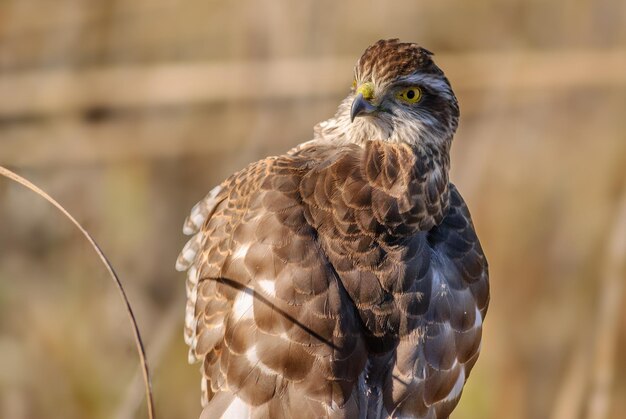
column 128, row 112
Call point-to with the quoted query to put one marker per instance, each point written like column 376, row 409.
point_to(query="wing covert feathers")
column 335, row 281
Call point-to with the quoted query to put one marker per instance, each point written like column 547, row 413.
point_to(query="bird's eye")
column 411, row 94
column 354, row 84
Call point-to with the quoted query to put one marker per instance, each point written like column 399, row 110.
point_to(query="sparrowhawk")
column 344, row 278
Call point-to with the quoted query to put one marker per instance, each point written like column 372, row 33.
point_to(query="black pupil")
column 410, row 94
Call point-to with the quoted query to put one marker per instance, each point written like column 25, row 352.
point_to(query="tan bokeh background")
column 129, row 111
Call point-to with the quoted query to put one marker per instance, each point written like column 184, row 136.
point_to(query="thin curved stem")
column 138, row 341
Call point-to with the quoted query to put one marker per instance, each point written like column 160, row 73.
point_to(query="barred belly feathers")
column 343, row 279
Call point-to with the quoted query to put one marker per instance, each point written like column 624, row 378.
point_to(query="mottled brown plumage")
column 343, row 279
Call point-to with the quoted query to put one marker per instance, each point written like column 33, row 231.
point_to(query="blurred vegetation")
column 128, row 112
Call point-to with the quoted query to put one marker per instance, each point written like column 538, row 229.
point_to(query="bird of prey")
column 344, row 278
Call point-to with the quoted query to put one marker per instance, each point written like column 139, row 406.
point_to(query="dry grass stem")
column 139, row 343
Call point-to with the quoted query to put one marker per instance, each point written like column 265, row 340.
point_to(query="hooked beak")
column 360, row 106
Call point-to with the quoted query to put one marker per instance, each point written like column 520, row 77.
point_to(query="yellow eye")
column 411, row 94
column 354, row 84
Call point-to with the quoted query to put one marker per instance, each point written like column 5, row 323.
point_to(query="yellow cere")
column 411, row 94
column 367, row 90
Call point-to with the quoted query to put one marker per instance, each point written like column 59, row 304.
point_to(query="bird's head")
column 399, row 94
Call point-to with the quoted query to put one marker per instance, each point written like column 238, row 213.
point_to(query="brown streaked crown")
column 388, row 59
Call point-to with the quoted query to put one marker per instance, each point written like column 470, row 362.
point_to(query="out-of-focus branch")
column 569, row 401
column 609, row 304
column 169, row 324
column 44, row 92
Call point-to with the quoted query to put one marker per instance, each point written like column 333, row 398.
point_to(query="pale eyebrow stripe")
column 437, row 84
